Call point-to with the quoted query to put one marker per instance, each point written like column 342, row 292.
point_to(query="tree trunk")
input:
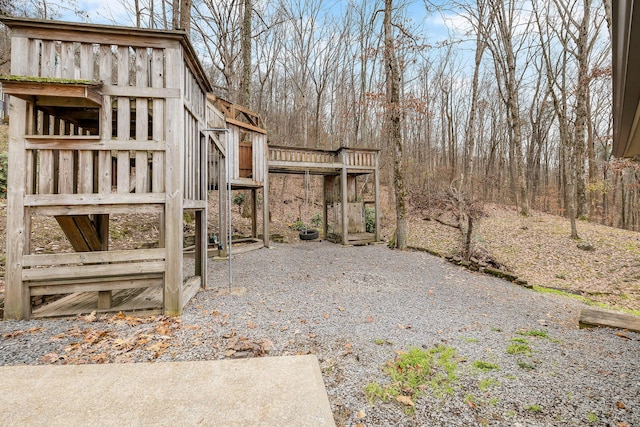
column 245, row 82
column 393, row 114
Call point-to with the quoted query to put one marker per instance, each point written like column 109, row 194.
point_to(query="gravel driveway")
column 356, row 308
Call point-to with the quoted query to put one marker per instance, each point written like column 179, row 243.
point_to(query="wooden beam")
column 590, row 318
column 174, row 134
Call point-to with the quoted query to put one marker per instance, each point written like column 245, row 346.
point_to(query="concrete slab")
column 269, row 391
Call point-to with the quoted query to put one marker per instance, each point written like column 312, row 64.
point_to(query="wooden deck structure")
column 104, row 120
column 340, row 170
column 247, row 152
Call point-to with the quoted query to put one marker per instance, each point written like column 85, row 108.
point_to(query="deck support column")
column 376, row 190
column 17, row 299
column 266, row 218
column 254, row 213
column 344, row 198
column 201, row 247
column 174, row 125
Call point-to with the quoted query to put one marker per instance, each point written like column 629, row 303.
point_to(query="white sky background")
column 438, row 27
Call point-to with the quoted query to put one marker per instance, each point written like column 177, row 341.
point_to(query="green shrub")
column 4, row 160
column 370, row 219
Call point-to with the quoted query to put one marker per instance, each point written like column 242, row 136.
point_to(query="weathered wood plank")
column 85, row 158
column 38, row 288
column 142, row 120
column 174, row 133
column 141, row 92
column 82, row 271
column 58, row 142
column 93, row 257
column 158, row 121
column 45, row 171
column 106, row 115
column 65, row 172
column 148, row 208
column 590, row 317
column 124, row 123
column 96, row 199
column 73, row 233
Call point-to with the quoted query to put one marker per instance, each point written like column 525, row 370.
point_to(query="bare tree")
column 503, row 23
column 392, row 120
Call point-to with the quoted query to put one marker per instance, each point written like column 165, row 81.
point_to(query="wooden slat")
column 142, row 122
column 104, row 157
column 66, row 172
column 88, row 231
column 590, row 317
column 59, row 142
column 98, row 209
column 157, row 81
column 124, row 124
column 93, row 257
column 37, row 288
column 45, row 172
column 82, row 271
column 141, row 302
column 85, row 158
column 73, row 233
column 140, row 92
column 96, row 199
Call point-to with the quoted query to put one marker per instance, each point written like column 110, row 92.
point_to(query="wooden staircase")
column 81, row 232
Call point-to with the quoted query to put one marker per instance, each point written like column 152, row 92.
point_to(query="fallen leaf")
column 229, row 353
column 623, row 424
column 361, row 414
column 326, row 315
column 621, row 335
column 341, row 308
column 369, row 319
column 50, row 358
column 90, row 317
column 251, row 325
column 13, row 334
column 34, row 330
column 405, row 400
column 620, row 405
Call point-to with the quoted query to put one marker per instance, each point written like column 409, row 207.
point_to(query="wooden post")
column 376, row 189
column 265, row 194
column 17, row 301
column 201, row 246
column 344, row 198
column 325, row 211
column 222, row 202
column 174, row 132
column 254, row 213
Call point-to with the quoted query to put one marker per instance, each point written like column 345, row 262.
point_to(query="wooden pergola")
column 340, row 170
column 104, row 121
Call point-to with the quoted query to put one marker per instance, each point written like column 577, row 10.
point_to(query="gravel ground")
column 355, row 308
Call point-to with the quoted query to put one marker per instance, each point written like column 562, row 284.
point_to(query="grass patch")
column 533, row 408
column 484, row 366
column 585, row 300
column 520, row 340
column 414, row 371
column 519, row 348
column 487, row 383
column 592, row 418
column 541, row 333
column 471, row 340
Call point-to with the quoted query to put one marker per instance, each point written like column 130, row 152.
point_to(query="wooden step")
column 81, row 232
